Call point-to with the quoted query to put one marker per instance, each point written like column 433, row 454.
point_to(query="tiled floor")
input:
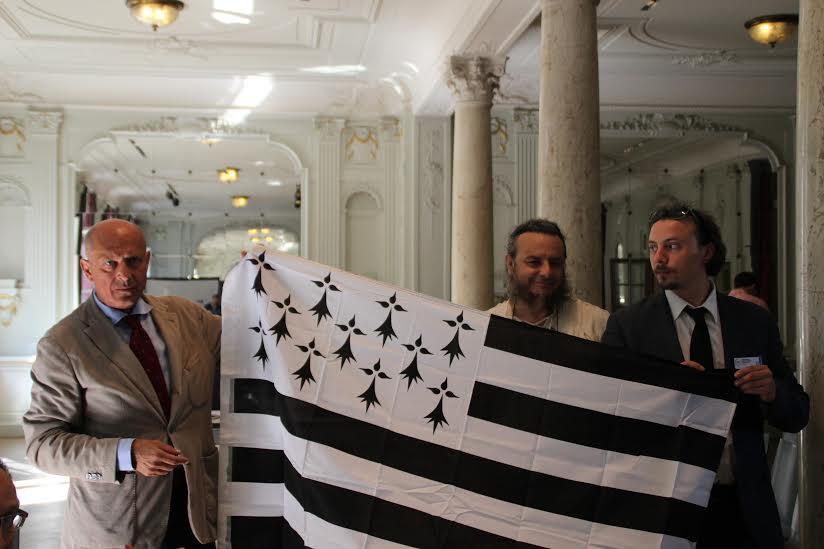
column 42, row 495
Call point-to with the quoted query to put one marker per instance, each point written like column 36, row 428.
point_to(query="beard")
column 517, row 292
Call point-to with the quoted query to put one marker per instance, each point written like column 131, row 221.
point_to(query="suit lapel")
column 103, row 334
column 167, row 323
column 663, row 332
column 727, row 336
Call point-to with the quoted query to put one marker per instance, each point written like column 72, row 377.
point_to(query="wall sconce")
column 228, row 174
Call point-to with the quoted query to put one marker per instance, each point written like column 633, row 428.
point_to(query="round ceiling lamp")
column 228, row 174
column 240, row 201
column 157, row 13
column 772, row 29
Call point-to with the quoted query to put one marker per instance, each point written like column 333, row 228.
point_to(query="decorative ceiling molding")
column 707, row 59
column 11, row 21
column 45, row 122
column 658, row 124
column 640, row 32
column 173, row 45
column 11, row 93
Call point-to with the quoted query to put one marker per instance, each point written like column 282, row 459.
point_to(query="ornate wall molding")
column 12, row 136
column 175, row 125
column 474, row 78
column 432, row 169
column 329, row 128
column 13, row 192
column 361, row 145
column 502, row 191
column 526, row 120
column 45, row 122
column 500, row 136
column 358, row 188
column 655, row 124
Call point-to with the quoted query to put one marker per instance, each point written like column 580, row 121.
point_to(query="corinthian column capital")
column 473, row 77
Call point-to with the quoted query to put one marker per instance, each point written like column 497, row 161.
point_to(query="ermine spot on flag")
column 357, row 414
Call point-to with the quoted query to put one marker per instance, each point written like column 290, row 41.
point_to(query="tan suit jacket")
column 89, row 390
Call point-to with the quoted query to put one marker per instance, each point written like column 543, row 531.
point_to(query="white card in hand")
column 743, row 362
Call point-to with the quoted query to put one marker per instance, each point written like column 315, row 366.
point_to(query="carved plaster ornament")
column 474, row 78
column 499, row 134
column 12, row 130
column 706, row 59
column 362, row 145
column 656, row 123
column 526, row 120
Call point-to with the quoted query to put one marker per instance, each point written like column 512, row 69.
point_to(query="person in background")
column 214, row 305
column 537, row 285
column 121, row 403
column 746, row 288
column 12, row 516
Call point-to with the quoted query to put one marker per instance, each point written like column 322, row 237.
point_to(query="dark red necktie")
column 141, row 346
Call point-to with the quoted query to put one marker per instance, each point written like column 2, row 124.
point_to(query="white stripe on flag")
column 316, row 532
column 604, row 394
column 251, row 495
column 563, row 459
column 253, row 430
column 330, row 466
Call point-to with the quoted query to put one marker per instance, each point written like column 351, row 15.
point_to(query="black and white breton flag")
column 356, row 414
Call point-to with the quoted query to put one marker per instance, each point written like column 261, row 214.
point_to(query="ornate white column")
column 526, row 163
column 324, row 199
column 394, row 211
column 810, row 257
column 569, row 185
column 41, row 271
column 473, row 81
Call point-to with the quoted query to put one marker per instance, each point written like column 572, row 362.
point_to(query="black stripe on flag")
column 263, row 533
column 605, row 505
column 595, row 429
column 564, row 350
column 386, row 520
column 256, row 465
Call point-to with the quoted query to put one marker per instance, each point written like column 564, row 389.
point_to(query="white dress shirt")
column 684, row 325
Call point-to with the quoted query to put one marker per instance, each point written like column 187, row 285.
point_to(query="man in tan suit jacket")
column 133, row 433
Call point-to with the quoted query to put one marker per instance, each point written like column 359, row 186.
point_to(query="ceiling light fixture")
column 240, row 201
column 335, row 69
column 228, row 174
column 772, row 29
column 157, row 13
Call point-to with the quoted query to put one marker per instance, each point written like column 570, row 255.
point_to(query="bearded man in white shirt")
column 537, row 286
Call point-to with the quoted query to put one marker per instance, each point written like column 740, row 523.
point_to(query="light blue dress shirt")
column 142, row 308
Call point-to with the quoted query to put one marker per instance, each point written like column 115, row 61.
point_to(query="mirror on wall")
column 201, row 195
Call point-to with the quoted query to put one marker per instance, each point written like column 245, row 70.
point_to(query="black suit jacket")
column 747, row 331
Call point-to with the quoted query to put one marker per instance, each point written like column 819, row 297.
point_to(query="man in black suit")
column 692, row 324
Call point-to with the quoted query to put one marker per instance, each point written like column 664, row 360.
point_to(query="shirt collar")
column 116, row 315
column 677, row 305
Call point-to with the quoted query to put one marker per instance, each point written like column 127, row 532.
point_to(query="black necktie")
column 143, row 349
column 700, row 347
